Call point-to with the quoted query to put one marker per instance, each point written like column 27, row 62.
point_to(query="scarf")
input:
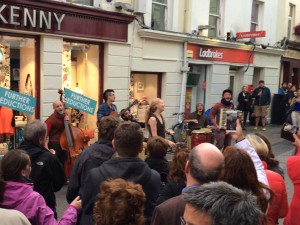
column 226, row 103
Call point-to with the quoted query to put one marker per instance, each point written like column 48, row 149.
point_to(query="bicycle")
column 180, row 130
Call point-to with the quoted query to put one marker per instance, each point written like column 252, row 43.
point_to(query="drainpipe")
column 184, row 71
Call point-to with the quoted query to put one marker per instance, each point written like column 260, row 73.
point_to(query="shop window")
column 145, row 88
column 158, row 19
column 214, row 17
column 80, row 72
column 17, row 73
column 83, row 2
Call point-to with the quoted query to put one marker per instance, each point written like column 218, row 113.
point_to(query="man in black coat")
column 47, row 173
column 128, row 142
column 245, row 102
column 93, row 156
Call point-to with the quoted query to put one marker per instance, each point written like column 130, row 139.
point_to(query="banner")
column 80, row 102
column 17, row 101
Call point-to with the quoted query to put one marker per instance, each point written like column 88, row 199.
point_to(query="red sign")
column 254, row 34
column 220, row 54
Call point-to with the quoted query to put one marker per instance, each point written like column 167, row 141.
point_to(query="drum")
column 203, row 135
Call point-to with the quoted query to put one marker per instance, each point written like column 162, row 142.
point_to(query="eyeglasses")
column 182, row 221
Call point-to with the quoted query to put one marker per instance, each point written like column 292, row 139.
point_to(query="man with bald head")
column 55, row 127
column 204, row 165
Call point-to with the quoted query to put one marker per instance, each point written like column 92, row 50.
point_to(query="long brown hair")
column 152, row 108
column 240, row 172
column 177, row 165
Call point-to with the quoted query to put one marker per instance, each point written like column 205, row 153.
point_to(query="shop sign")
column 220, row 54
column 17, row 101
column 80, row 102
column 22, row 16
column 254, row 34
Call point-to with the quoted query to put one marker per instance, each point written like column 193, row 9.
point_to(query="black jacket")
column 92, row 157
column 47, row 173
column 170, row 190
column 264, row 99
column 244, row 105
column 160, row 165
column 131, row 169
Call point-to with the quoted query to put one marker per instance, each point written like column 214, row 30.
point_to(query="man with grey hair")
column 47, row 173
column 220, row 203
column 204, row 165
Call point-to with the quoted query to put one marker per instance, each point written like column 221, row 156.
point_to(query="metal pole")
column 184, row 78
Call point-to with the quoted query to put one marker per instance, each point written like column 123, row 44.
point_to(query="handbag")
column 28, row 86
column 20, row 121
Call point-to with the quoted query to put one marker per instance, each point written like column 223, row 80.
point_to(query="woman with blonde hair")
column 120, row 202
column 155, row 122
column 278, row 207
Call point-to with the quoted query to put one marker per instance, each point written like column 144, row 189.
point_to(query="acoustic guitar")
column 116, row 114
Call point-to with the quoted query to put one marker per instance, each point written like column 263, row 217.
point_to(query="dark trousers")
column 60, row 153
column 222, row 139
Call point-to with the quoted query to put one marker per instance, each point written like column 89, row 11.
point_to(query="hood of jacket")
column 32, row 150
column 133, row 169
column 15, row 193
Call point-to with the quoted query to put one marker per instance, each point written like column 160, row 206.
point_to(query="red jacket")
column 278, row 206
column 293, row 169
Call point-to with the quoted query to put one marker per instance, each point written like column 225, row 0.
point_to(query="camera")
column 231, row 117
column 287, row 131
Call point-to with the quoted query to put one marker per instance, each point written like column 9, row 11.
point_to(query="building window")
column 290, row 21
column 159, row 8
column 83, row 2
column 254, row 18
column 214, row 17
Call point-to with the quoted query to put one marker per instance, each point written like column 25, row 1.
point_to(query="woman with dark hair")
column 157, row 150
column 119, row 202
column 176, row 177
column 155, row 122
column 269, row 158
column 16, row 192
column 240, row 172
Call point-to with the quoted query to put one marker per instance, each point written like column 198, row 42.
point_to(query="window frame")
column 291, row 21
column 75, row 1
column 215, row 29
column 165, row 5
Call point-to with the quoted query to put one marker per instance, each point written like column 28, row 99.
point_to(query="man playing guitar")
column 107, row 107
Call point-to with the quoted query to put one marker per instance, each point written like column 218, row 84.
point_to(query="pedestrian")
column 47, row 173
column 119, row 202
column 244, row 169
column 16, row 192
column 204, row 165
column 244, row 99
column 128, row 142
column 55, row 127
column 11, row 216
column 155, row 122
column 176, row 177
column 278, row 206
column 107, row 107
column 293, row 170
column 262, row 97
column 295, row 106
column 220, row 203
column 222, row 139
column 283, row 89
column 157, row 150
column 93, row 156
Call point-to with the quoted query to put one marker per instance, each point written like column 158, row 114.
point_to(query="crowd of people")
column 220, row 183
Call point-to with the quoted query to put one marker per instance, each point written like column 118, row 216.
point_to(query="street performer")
column 55, row 127
column 197, row 120
column 106, row 108
column 222, row 139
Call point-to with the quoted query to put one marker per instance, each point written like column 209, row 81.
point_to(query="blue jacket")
column 264, row 99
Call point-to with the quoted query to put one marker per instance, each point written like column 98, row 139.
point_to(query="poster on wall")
column 5, row 65
column 66, row 68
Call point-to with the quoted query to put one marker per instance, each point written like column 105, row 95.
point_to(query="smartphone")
column 231, row 117
column 287, row 132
